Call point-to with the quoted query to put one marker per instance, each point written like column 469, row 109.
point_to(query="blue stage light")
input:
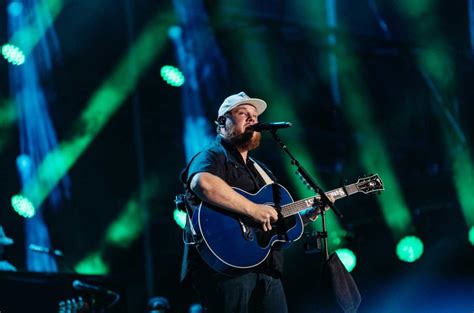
column 15, row 8
column 23, row 162
column 174, row 32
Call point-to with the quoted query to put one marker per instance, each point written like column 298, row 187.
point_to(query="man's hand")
column 265, row 215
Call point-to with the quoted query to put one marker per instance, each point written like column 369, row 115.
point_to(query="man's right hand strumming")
column 265, row 215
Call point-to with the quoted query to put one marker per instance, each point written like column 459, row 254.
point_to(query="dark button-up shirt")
column 222, row 159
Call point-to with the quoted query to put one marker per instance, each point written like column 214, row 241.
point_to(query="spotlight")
column 179, row 217
column 174, row 32
column 23, row 162
column 471, row 235
column 13, row 54
column 409, row 249
column 15, row 8
column 172, row 75
column 23, row 206
column 347, row 257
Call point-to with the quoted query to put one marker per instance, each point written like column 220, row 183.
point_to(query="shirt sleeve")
column 206, row 161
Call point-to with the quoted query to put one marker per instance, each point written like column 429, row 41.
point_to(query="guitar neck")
column 301, row 205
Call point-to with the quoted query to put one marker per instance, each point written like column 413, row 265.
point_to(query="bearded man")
column 209, row 178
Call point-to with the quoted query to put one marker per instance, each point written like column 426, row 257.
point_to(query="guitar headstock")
column 369, row 184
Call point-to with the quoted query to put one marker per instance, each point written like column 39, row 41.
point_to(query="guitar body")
column 232, row 243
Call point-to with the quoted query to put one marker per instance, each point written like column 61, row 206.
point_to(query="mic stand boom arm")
column 307, row 178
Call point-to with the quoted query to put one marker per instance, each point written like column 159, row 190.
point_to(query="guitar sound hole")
column 253, row 231
column 246, row 230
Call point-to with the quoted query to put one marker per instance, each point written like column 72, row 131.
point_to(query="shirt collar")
column 231, row 148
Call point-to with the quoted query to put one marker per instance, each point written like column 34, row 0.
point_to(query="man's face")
column 242, row 117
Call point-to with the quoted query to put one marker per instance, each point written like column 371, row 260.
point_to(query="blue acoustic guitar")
column 231, row 243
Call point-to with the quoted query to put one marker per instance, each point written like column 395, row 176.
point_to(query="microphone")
column 270, row 126
column 46, row 250
column 80, row 286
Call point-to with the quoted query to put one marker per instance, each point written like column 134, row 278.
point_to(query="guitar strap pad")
column 268, row 181
column 262, row 173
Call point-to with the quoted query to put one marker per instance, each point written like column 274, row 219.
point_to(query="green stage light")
column 93, row 264
column 121, row 233
column 179, row 217
column 463, row 175
column 415, row 9
column 8, row 114
column 23, row 206
column 348, row 258
column 172, row 75
column 128, row 225
column 13, row 54
column 409, row 249
column 471, row 235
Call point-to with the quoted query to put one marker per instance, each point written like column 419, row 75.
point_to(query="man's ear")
column 221, row 121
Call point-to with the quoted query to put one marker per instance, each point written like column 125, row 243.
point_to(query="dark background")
column 93, row 37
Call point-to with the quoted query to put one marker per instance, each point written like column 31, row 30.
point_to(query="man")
column 5, row 241
column 209, row 178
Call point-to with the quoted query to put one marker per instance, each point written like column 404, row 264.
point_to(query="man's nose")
column 252, row 119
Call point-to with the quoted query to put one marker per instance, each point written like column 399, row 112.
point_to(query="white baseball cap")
column 240, row 98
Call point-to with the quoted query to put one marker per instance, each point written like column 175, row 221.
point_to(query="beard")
column 249, row 140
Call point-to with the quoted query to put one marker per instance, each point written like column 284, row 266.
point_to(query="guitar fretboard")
column 298, row 206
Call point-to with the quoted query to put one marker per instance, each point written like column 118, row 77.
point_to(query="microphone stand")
column 324, row 201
